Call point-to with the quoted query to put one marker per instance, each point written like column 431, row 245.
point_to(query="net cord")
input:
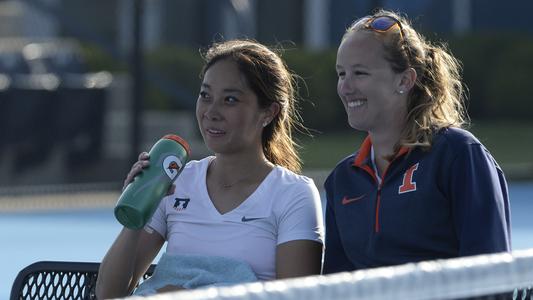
column 439, row 279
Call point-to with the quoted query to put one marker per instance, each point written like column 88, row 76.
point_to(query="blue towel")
column 192, row 271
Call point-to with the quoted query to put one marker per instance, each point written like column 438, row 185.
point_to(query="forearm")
column 115, row 276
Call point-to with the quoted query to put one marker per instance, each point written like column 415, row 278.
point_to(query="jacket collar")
column 363, row 157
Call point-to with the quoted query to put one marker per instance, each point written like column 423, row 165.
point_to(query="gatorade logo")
column 172, row 165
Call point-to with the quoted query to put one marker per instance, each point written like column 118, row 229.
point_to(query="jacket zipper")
column 378, row 199
column 370, row 171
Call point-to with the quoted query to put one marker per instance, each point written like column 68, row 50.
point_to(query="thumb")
column 171, row 189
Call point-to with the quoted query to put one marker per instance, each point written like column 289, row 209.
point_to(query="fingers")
column 137, row 168
column 144, row 156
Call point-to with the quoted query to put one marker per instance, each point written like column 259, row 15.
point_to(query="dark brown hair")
column 270, row 79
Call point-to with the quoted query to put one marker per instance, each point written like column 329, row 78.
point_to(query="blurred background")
column 87, row 85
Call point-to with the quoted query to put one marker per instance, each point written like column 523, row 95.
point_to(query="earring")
column 265, row 123
column 401, row 92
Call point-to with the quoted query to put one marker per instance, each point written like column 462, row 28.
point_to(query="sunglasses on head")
column 383, row 24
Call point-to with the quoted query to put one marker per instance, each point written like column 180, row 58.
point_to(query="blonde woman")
column 419, row 187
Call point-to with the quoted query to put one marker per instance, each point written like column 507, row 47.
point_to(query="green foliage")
column 324, row 151
column 98, row 60
column 320, row 105
column 497, row 71
column 496, row 68
column 180, row 67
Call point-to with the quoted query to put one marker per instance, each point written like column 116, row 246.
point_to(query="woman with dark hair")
column 242, row 214
column 419, row 187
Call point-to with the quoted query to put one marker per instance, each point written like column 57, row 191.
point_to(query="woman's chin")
column 357, row 125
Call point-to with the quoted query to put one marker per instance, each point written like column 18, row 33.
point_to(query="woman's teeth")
column 356, row 103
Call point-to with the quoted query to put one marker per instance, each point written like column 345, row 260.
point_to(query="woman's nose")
column 212, row 111
column 345, row 87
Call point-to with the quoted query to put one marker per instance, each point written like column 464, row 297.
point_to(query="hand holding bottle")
column 150, row 179
column 142, row 163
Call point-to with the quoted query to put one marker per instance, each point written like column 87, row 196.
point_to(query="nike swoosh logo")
column 245, row 219
column 347, row 200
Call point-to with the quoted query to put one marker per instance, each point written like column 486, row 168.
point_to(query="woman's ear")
column 270, row 113
column 407, row 80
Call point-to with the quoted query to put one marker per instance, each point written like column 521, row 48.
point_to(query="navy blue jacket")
column 447, row 202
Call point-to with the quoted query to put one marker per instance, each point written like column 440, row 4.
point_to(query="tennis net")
column 495, row 276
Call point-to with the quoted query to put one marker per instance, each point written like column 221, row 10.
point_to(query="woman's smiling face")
column 367, row 85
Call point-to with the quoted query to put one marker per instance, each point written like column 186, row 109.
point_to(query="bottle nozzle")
column 179, row 140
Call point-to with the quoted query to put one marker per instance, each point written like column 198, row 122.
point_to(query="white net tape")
column 439, row 279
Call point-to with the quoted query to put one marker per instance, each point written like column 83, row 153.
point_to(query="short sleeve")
column 301, row 217
column 158, row 220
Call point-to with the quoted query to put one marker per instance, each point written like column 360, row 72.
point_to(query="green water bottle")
column 140, row 198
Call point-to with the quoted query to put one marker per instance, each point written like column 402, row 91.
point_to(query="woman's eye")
column 231, row 99
column 359, row 73
column 204, row 95
column 341, row 74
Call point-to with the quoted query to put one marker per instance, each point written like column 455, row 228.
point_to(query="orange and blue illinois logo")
column 408, row 183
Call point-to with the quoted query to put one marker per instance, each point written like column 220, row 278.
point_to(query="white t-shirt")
column 284, row 207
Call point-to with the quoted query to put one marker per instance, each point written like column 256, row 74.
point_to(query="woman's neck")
column 228, row 169
column 384, row 146
column 240, row 161
column 231, row 179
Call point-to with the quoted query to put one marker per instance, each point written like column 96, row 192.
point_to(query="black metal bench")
column 50, row 280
